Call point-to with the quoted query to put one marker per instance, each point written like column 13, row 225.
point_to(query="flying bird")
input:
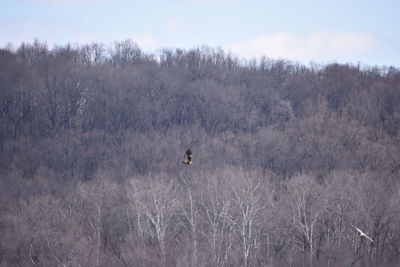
column 362, row 234
column 187, row 159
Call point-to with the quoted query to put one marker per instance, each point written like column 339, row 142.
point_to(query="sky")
column 318, row 31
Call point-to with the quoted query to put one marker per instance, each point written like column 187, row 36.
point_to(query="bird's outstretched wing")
column 369, row 238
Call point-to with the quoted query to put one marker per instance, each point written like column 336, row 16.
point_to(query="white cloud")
column 174, row 24
column 147, row 42
column 316, row 46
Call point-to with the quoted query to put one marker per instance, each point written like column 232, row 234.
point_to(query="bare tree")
column 42, row 232
column 96, row 199
column 306, row 207
column 190, row 210
column 159, row 202
column 249, row 204
column 215, row 226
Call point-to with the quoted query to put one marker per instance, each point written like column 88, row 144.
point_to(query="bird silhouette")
column 187, row 159
column 362, row 234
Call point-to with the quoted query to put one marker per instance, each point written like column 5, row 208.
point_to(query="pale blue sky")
column 304, row 30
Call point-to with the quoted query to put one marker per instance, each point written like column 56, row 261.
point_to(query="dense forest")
column 287, row 159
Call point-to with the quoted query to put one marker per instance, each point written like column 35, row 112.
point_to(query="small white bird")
column 362, row 234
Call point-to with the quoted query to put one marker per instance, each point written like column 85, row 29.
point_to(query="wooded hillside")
column 287, row 159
